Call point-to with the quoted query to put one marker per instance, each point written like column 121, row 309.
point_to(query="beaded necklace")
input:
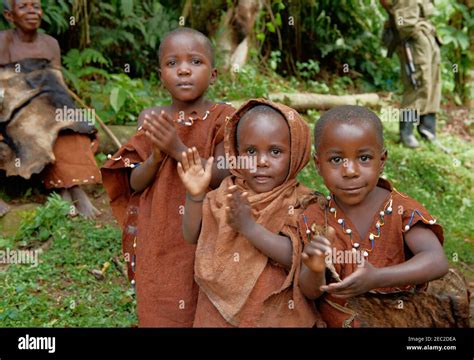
column 386, row 210
column 191, row 119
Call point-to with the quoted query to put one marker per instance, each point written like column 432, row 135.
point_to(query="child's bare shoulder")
column 156, row 109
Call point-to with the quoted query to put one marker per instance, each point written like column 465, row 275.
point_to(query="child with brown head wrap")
column 248, row 253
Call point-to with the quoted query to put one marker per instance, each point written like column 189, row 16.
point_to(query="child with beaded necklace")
column 398, row 243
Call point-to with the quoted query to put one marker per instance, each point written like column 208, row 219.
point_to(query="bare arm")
column 4, row 50
column 276, row 247
column 428, row 263
column 143, row 175
column 56, row 51
column 192, row 218
column 310, row 282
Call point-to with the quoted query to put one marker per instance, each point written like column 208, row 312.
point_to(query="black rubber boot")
column 406, row 134
column 427, row 127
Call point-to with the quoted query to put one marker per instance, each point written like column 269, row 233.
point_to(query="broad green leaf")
column 278, row 20
column 270, row 27
column 117, row 98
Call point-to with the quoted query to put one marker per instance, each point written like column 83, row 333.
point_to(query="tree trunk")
column 235, row 33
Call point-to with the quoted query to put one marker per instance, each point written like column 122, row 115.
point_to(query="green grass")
column 61, row 291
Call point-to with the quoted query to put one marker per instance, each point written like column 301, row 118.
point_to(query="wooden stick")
column 99, row 120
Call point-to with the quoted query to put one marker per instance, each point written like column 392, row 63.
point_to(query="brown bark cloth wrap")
column 40, row 129
column 240, row 286
column 165, row 287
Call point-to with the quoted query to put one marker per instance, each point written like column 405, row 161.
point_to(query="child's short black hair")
column 348, row 114
column 256, row 110
column 186, row 30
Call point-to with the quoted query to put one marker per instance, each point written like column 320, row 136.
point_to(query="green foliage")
column 454, row 21
column 56, row 15
column 61, row 291
column 275, row 59
column 308, row 70
column 320, row 38
column 119, row 99
column 78, row 65
column 327, row 34
column 131, row 31
column 45, row 222
column 4, row 25
column 246, row 83
column 124, row 31
column 55, row 18
column 126, row 92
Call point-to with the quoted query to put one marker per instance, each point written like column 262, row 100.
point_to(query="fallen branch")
column 306, row 101
column 303, row 102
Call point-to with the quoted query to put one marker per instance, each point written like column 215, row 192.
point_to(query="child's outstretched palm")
column 194, row 176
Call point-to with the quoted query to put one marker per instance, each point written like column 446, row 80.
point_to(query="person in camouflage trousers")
column 409, row 32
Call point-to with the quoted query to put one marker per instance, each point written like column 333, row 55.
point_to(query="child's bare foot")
column 83, row 204
column 4, row 208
